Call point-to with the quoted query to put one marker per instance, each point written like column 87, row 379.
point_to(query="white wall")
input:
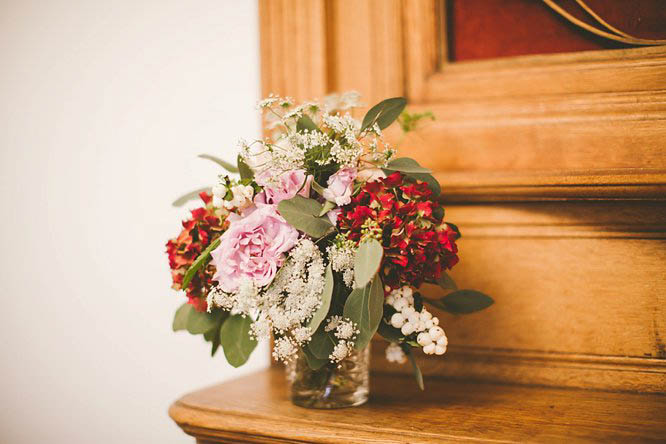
column 103, row 107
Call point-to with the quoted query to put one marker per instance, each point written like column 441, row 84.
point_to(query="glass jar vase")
column 334, row 386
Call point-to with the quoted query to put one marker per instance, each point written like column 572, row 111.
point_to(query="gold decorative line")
column 619, row 36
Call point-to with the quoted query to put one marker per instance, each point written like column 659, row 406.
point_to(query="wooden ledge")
column 256, row 409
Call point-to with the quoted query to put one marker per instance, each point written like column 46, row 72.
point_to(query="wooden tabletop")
column 256, row 408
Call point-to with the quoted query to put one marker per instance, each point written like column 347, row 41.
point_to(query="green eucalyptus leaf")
column 314, row 362
column 384, row 113
column 236, row 341
column 223, row 163
column 365, row 307
column 306, row 123
column 415, row 367
column 406, row 165
column 180, row 318
column 465, row 301
column 326, row 295
column 303, row 214
column 199, row 322
column 328, row 206
column 244, row 169
column 192, row 195
column 199, row 262
column 321, row 343
column 446, row 281
column 367, row 261
column 318, row 188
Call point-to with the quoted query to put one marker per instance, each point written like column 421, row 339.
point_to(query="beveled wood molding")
column 647, row 375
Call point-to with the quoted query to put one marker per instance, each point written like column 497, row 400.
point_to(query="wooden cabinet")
column 554, row 168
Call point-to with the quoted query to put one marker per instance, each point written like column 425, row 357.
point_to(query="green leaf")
column 199, row 262
column 328, row 206
column 305, row 123
column 464, row 301
column 365, row 307
column 406, row 165
column 446, row 281
column 389, row 332
column 314, row 362
column 243, row 168
column 322, row 342
column 415, row 367
column 318, row 188
column 326, row 295
column 213, row 336
column 223, row 163
column 182, row 200
column 236, row 341
column 384, row 113
column 201, row 322
column 180, row 318
column 303, row 214
column 367, row 261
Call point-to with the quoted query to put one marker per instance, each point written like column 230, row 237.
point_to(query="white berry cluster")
column 430, row 335
column 395, row 354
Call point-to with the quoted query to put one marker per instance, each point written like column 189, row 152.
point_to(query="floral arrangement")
column 319, row 238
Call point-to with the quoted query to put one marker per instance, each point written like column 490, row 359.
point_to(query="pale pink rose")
column 333, row 215
column 370, row 175
column 290, row 184
column 340, row 186
column 253, row 248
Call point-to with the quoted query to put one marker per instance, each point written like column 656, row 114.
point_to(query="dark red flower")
column 205, row 225
column 417, row 243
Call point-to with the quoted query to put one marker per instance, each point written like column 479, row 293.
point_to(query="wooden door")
column 553, row 166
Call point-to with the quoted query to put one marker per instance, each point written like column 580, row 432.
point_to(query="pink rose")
column 290, row 184
column 333, row 215
column 340, row 186
column 253, row 248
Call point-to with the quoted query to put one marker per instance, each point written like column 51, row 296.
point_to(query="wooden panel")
column 256, row 409
column 577, row 268
column 365, row 43
column 293, row 48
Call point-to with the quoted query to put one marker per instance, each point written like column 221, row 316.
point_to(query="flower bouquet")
column 318, row 239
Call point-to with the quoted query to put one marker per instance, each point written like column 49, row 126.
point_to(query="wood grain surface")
column 256, row 409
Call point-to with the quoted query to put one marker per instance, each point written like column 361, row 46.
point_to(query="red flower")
column 205, row 225
column 417, row 243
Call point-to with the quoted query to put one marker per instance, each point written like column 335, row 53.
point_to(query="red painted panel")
column 483, row 29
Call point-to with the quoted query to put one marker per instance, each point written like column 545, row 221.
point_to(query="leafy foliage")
column 326, row 296
column 446, row 281
column 367, row 261
column 236, row 341
column 199, row 262
column 463, row 302
column 365, row 307
column 384, row 113
column 181, row 316
column 408, row 121
column 223, row 163
column 303, row 214
column 244, row 169
column 192, row 195
column 415, row 367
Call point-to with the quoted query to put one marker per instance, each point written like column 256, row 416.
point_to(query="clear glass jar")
column 334, row 386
